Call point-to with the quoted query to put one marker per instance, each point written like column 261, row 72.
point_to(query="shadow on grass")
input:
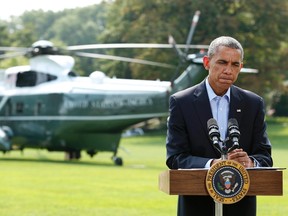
column 54, row 161
column 133, row 166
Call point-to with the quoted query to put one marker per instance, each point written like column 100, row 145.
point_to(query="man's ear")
column 206, row 62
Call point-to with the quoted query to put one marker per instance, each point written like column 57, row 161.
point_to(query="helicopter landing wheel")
column 117, row 160
column 91, row 153
column 73, row 154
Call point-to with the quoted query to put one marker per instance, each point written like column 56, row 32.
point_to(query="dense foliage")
column 259, row 25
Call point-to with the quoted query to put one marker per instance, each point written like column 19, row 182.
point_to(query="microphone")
column 213, row 132
column 234, row 133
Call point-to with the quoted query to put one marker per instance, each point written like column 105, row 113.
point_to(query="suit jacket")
column 188, row 144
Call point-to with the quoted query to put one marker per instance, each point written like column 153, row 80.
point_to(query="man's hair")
column 227, row 42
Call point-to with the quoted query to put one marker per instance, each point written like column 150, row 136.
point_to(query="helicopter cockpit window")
column 32, row 78
column 72, row 74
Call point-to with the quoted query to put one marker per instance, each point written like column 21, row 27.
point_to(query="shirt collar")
column 211, row 93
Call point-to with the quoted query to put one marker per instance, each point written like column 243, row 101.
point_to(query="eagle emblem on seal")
column 227, row 182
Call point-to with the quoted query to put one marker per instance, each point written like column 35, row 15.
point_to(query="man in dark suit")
column 188, row 144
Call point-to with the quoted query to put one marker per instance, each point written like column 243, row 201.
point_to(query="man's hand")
column 241, row 156
column 238, row 155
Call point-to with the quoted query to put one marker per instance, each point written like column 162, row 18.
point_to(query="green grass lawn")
column 39, row 183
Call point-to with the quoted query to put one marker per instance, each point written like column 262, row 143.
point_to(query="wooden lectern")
column 263, row 181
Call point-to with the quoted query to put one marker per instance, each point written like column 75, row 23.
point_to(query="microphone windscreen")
column 232, row 122
column 211, row 122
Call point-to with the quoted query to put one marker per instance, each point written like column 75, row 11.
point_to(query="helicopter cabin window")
column 32, row 78
column 19, row 107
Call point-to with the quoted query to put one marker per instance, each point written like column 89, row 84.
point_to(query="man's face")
column 224, row 68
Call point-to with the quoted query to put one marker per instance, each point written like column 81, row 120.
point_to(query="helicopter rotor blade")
column 12, row 55
column 249, row 70
column 192, row 30
column 125, row 59
column 179, row 52
column 132, row 45
column 15, row 49
column 183, row 56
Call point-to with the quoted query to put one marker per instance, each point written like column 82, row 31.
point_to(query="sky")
column 18, row 7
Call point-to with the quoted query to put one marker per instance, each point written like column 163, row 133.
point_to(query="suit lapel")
column 202, row 105
column 237, row 105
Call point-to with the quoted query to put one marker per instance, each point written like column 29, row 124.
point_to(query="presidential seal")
column 227, row 181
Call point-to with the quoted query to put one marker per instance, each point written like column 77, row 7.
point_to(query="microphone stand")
column 222, row 148
column 224, row 156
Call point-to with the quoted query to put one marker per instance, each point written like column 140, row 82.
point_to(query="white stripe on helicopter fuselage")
column 80, row 118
